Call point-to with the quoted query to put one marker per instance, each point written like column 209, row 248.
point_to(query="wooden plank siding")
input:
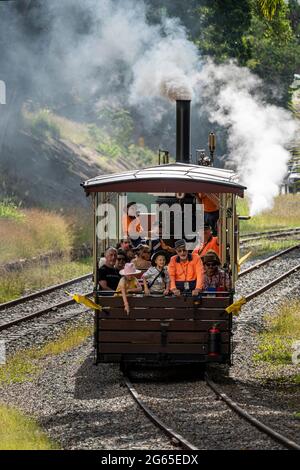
column 160, row 325
column 165, row 302
column 154, row 337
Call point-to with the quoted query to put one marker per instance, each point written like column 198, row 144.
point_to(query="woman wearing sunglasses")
column 215, row 279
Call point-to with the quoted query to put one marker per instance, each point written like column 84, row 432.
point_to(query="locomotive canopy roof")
column 173, row 177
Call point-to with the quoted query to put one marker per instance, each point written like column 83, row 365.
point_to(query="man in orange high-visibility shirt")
column 185, row 271
column 131, row 224
column 210, row 243
column 211, row 205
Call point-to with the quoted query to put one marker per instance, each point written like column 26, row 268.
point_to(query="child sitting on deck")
column 128, row 284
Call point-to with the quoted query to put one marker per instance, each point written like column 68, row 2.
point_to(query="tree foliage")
column 221, row 29
column 263, row 35
column 268, row 7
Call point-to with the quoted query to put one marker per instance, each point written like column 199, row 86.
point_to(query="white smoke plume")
column 258, row 133
column 106, row 51
column 167, row 68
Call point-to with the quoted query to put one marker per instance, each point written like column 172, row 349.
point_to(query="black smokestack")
column 183, row 131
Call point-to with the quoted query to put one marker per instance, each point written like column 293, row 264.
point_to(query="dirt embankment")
column 48, row 173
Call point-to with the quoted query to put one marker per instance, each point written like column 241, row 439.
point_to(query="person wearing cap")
column 131, row 224
column 210, row 243
column 156, row 278
column 128, row 284
column 215, row 278
column 185, row 271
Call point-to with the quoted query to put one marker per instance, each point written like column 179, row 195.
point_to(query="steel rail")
column 271, row 284
column 184, row 443
column 268, row 260
column 243, row 240
column 268, row 232
column 289, row 444
column 38, row 313
column 40, row 293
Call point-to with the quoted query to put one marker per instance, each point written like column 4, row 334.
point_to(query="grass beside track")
column 25, row 364
column 19, row 432
column 268, row 247
column 17, row 284
column 34, row 232
column 276, row 344
column 284, row 214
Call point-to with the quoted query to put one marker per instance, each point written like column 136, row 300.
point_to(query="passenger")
column 210, row 243
column 131, row 224
column 215, row 278
column 156, row 279
column 109, row 276
column 128, row 284
column 125, row 245
column 185, row 271
column 157, row 243
column 121, row 260
column 130, row 254
column 211, row 205
column 142, row 259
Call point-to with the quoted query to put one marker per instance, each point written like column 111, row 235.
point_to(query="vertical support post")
column 222, row 230
column 95, row 273
column 95, row 240
column 231, row 223
column 106, row 239
column 236, row 241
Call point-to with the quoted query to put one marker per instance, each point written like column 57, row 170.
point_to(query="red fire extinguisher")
column 214, row 341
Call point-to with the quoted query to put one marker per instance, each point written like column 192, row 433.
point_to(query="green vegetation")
column 276, row 343
column 268, row 247
column 284, row 214
column 10, row 210
column 17, row 284
column 111, row 135
column 24, row 365
column 42, row 125
column 28, row 233
column 260, row 34
column 31, row 233
column 19, row 432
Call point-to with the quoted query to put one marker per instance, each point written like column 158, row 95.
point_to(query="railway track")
column 42, row 309
column 253, row 237
column 179, row 440
column 182, row 441
column 35, row 308
column 242, row 413
column 176, row 438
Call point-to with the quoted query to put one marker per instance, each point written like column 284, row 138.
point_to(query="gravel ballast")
column 83, row 406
